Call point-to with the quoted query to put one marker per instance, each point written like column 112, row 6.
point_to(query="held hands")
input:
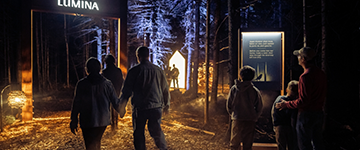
column 281, row 105
column 74, row 126
column 74, row 130
column 166, row 111
column 122, row 109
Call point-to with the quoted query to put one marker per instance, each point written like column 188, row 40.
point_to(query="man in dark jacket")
column 114, row 74
column 147, row 85
column 93, row 96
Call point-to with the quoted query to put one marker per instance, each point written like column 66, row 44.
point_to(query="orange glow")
column 202, row 77
column 123, row 63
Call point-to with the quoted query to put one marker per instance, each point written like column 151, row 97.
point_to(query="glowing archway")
column 100, row 8
column 180, row 63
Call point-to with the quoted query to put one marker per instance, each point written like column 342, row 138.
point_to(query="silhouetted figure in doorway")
column 174, row 76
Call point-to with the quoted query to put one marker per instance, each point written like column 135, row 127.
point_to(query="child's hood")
column 243, row 85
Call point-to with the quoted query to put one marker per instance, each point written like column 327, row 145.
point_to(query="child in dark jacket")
column 244, row 104
column 284, row 120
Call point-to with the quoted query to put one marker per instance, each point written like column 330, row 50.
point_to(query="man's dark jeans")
column 285, row 137
column 153, row 116
column 309, row 129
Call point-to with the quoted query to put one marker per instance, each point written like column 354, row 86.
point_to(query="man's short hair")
column 142, row 51
column 247, row 73
column 93, row 65
column 109, row 59
column 293, row 87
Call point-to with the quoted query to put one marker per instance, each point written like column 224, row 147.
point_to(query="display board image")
column 263, row 51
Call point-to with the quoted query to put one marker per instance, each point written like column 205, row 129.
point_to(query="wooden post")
column 26, row 58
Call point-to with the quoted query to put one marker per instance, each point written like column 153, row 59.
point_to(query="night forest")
column 63, row 42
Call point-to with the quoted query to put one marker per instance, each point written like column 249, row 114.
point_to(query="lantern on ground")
column 16, row 99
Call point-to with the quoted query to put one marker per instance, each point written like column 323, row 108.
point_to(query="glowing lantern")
column 16, row 99
column 180, row 63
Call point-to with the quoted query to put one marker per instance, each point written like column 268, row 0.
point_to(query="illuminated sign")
column 78, row 4
column 264, row 52
column 93, row 8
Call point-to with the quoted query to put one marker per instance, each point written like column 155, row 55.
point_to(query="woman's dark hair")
column 93, row 65
column 247, row 73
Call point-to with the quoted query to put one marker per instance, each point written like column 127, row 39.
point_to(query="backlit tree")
column 149, row 23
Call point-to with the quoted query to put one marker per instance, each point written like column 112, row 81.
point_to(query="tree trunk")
column 6, row 51
column 234, row 25
column 42, row 53
column 304, row 22
column 280, row 15
column 112, row 52
column 48, row 62
column 85, row 52
column 233, row 51
column 207, row 41
column 112, row 37
column 56, row 71
column 99, row 43
column 67, row 55
column 8, row 60
column 75, row 70
column 323, row 36
column 215, row 82
column 38, row 54
column 190, row 54
column 197, row 48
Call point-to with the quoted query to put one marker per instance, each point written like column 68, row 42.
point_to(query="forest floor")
column 183, row 128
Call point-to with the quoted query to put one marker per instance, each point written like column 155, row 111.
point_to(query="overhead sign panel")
column 264, row 52
column 108, row 8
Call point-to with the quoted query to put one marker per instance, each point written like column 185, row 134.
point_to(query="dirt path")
column 55, row 134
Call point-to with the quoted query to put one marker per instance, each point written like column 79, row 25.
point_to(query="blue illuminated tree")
column 149, row 25
column 186, row 8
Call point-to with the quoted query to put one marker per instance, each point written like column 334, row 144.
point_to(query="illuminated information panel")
column 264, row 52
